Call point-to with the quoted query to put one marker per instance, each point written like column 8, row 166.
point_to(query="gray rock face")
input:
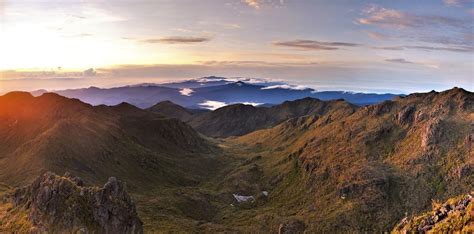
column 63, row 204
column 442, row 212
column 380, row 109
column 431, row 133
column 405, row 116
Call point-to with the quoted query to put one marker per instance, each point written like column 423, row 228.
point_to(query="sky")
column 379, row 46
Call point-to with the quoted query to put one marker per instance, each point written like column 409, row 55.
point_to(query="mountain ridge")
column 51, row 131
column 240, row 119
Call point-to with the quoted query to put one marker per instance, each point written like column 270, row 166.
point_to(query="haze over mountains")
column 212, row 93
column 303, row 165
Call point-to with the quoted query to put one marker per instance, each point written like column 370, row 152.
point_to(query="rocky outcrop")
column 405, row 116
column 63, row 204
column 431, row 133
column 448, row 217
column 380, row 109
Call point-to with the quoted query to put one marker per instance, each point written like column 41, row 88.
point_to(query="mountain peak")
column 127, row 108
column 170, row 109
column 18, row 95
column 240, row 83
column 457, row 90
column 166, row 102
column 52, row 95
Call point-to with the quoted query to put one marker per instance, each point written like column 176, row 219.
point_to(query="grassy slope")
column 377, row 164
column 309, row 164
column 239, row 119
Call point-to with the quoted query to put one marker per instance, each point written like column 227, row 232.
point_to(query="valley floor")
column 210, row 205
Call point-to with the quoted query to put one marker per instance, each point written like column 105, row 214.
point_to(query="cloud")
column 252, row 103
column 212, row 105
column 399, row 60
column 466, row 49
column 388, row 47
column 462, row 49
column 257, row 4
column 455, row 3
column 404, row 61
column 177, row 40
column 287, row 86
column 186, row 92
column 376, row 15
column 434, row 32
column 215, row 24
column 451, row 2
column 376, row 35
column 253, row 3
column 255, row 63
column 89, row 72
column 248, row 80
column 91, row 14
column 314, row 45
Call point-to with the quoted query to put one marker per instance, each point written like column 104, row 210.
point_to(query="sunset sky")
column 370, row 46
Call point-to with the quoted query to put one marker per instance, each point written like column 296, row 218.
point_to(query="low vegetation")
column 345, row 170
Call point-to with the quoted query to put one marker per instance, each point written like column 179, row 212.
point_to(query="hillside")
column 362, row 172
column 54, row 133
column 240, row 119
column 171, row 110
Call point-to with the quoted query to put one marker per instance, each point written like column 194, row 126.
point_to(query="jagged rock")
column 430, row 221
column 431, row 133
column 64, row 204
column 292, row 227
column 420, row 116
column 405, row 115
column 380, row 109
column 469, row 139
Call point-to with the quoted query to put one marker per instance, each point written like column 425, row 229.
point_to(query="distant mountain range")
column 211, row 93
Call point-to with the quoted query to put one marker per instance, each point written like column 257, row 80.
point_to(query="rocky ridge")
column 455, row 215
column 53, row 203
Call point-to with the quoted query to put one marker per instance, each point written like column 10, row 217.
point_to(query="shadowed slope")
column 54, row 133
column 240, row 119
column 169, row 109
